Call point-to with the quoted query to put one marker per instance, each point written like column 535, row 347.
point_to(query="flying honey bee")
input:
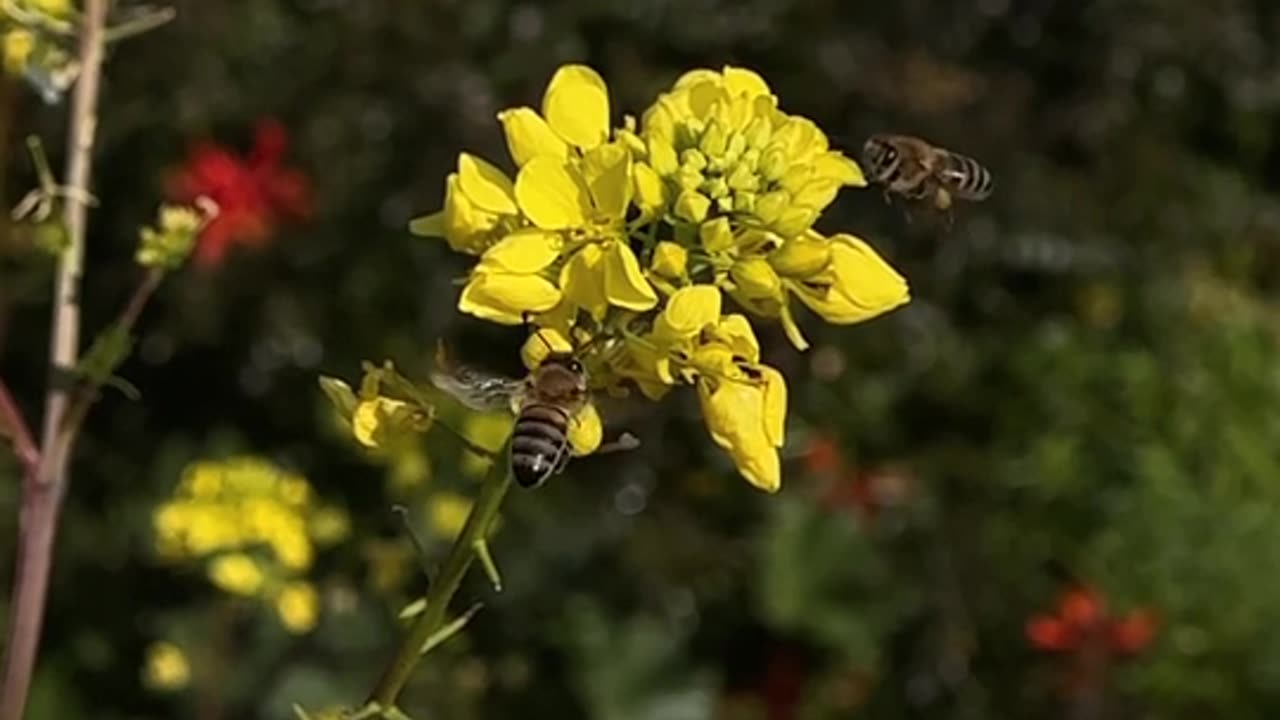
column 544, row 403
column 918, row 170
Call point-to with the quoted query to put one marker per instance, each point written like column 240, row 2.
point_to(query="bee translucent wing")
column 480, row 391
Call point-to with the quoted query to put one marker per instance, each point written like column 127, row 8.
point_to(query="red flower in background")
column 1081, row 620
column 253, row 193
column 863, row 492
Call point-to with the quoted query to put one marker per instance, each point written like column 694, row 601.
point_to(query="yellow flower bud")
column 771, row 205
column 166, row 667
column 773, row 163
column 715, row 140
column 298, row 606
column 692, row 206
column 742, row 177
column 650, row 193
column 757, row 133
column 693, row 159
column 744, row 202
column 688, row 311
column 755, row 278
column 715, row 188
column 716, row 235
column 794, row 220
column 670, row 260
column 237, row 574
column 662, row 156
column 801, row 257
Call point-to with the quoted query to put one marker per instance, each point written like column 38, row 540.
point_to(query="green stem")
column 442, row 589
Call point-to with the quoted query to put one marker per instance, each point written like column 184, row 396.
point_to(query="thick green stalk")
column 443, row 587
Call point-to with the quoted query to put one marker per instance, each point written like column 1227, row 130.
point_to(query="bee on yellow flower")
column 624, row 245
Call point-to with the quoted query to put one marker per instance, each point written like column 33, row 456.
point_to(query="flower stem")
column 442, row 589
column 43, row 491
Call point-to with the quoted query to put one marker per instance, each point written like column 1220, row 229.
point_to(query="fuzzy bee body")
column 545, row 403
column 917, row 170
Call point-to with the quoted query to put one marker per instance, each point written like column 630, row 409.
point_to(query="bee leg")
column 625, row 441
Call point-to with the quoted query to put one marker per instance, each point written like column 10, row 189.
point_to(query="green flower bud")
column 773, row 163
column 688, row 132
column 715, row 140
column 724, row 203
column 771, row 205
column 670, row 260
column 692, row 206
column 715, row 188
column 693, row 158
column 716, row 235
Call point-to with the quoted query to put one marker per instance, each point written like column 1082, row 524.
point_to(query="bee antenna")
column 418, row 545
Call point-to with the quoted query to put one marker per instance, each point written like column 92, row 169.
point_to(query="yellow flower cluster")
column 623, row 244
column 29, row 34
column 255, row 527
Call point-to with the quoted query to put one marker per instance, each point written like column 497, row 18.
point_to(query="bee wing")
column 480, row 391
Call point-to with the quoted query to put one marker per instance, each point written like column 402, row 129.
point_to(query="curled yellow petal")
column 740, row 81
column 859, row 284
column 624, row 283
column 586, row 431
column 505, row 297
column 576, row 105
column 736, row 332
column 688, row 311
column 801, row 256
column 582, row 281
column 485, row 185
column 734, row 415
column 525, row 251
column 755, row 278
column 529, row 136
column 551, row 195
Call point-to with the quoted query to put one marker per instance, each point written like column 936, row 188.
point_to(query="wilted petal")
column 582, row 281
column 525, row 251
column 529, row 136
column 485, row 185
column 624, row 283
column 576, row 106
column 552, row 195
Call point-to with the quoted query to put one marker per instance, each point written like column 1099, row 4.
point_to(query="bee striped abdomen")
column 538, row 444
column 967, row 177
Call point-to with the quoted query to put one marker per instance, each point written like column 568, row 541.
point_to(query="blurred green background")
column 1084, row 389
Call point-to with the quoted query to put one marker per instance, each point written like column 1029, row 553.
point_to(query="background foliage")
column 1084, row 385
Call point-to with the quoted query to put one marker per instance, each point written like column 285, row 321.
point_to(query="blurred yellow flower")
column 166, row 667
column 298, row 606
column 237, row 573
column 447, row 512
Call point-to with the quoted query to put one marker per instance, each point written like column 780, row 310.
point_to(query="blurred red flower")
column 253, row 193
column 1081, row 619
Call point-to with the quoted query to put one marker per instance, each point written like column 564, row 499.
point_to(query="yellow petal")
column 467, row 228
column 733, row 412
column 624, row 283
column 775, row 405
column 529, row 136
column 696, row 76
column 740, row 81
column 582, row 281
column 650, row 192
column 670, row 260
column 525, row 251
column 370, row 417
column 735, row 331
column 607, row 171
column 485, row 185
column 504, row 298
column 688, row 311
column 835, row 166
column 586, row 431
column 692, row 205
column 576, row 105
column 551, row 195
column 542, row 343
column 860, row 286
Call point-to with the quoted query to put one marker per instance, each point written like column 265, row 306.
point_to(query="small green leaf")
column 108, row 351
column 481, row 548
column 453, row 628
column 428, row 225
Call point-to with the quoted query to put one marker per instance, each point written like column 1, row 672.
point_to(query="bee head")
column 880, row 156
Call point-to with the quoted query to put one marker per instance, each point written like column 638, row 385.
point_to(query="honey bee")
column 544, row 403
column 917, row 170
